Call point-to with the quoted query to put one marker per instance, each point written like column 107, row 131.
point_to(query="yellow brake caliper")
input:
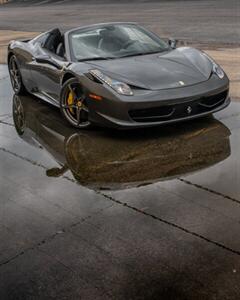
column 70, row 101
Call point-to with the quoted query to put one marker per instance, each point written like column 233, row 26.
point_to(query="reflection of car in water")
column 116, row 160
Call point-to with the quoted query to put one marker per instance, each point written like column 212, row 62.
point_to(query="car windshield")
column 113, row 41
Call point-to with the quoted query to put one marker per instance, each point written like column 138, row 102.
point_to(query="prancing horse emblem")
column 189, row 110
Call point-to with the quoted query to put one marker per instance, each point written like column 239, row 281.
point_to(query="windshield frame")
column 68, row 35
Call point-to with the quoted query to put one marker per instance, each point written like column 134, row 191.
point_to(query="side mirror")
column 46, row 59
column 172, row 43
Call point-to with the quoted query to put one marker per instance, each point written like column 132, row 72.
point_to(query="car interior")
column 55, row 43
column 103, row 40
column 109, row 39
column 106, row 41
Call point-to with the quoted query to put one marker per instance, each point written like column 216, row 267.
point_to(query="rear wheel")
column 73, row 104
column 15, row 76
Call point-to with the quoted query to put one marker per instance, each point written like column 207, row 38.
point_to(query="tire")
column 18, row 115
column 73, row 104
column 15, row 76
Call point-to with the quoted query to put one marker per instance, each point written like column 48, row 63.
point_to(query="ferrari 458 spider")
column 117, row 75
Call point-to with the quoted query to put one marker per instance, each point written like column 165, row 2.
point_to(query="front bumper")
column 152, row 108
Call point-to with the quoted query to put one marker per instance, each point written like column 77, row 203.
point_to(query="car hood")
column 180, row 67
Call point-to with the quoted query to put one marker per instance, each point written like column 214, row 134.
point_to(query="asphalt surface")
column 214, row 21
column 160, row 221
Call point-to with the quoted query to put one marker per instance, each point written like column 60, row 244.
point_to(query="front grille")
column 177, row 111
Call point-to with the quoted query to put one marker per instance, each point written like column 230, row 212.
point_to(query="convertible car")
column 117, row 75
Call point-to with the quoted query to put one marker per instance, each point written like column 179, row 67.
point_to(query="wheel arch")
column 10, row 54
column 66, row 77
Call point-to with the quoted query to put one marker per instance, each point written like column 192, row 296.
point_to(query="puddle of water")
column 105, row 159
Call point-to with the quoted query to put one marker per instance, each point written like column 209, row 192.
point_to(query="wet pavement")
column 101, row 214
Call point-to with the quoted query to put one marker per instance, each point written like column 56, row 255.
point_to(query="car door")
column 35, row 46
column 47, row 67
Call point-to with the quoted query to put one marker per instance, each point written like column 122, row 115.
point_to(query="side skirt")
column 45, row 97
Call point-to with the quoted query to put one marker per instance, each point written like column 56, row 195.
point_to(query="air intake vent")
column 180, row 110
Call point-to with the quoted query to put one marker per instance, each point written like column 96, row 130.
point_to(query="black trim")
column 178, row 111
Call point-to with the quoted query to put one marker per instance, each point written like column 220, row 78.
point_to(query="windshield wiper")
column 116, row 57
column 143, row 53
column 96, row 58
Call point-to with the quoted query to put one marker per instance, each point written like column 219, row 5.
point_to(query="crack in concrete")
column 62, row 231
column 34, row 163
column 23, row 158
column 173, row 225
column 52, row 237
column 143, row 212
column 209, row 190
column 126, row 263
column 6, row 123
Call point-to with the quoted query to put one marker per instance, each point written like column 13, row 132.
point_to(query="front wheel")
column 73, row 104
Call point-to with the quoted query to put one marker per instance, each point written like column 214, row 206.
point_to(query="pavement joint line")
column 47, row 239
column 51, row 237
column 123, row 241
column 34, row 163
column 179, row 195
column 22, row 157
column 6, row 123
column 237, row 252
column 88, row 221
column 74, row 273
column 67, row 230
column 208, row 190
column 38, row 165
column 60, row 262
column 143, row 212
column 74, row 181
column 43, row 198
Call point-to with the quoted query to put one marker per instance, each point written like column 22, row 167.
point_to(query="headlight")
column 120, row 87
column 216, row 68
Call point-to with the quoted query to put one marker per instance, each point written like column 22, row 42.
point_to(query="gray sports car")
column 117, row 75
